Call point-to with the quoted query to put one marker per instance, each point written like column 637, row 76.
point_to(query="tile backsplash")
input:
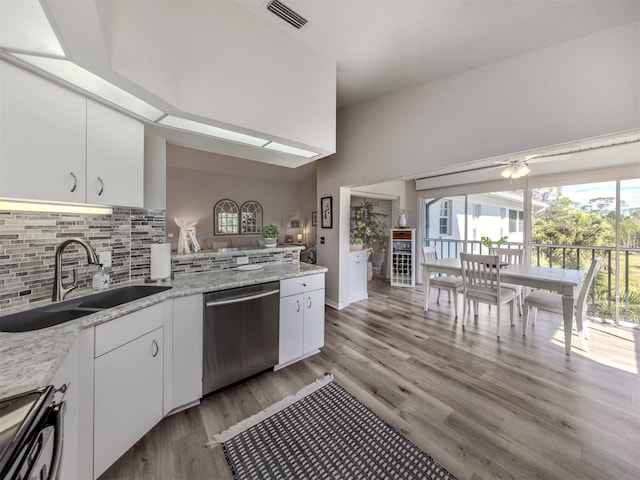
column 28, row 242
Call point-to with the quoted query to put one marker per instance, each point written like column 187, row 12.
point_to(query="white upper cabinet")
column 115, row 157
column 42, row 138
column 56, row 145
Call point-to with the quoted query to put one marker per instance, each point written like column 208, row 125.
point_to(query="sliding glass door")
column 570, row 226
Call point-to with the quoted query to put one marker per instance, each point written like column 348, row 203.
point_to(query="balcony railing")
column 602, row 297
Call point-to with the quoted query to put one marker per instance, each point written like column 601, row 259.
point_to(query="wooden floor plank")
column 514, row 407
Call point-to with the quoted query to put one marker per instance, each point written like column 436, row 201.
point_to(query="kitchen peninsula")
column 153, row 344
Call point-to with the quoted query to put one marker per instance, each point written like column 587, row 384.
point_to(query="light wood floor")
column 482, row 407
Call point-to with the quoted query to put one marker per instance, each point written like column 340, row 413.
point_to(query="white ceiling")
column 386, row 45
column 380, row 46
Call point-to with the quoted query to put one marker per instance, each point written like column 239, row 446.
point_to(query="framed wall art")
column 314, row 219
column 326, row 207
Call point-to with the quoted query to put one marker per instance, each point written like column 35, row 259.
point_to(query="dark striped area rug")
column 327, row 434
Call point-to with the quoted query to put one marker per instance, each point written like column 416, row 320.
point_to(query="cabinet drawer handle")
column 298, row 305
column 156, row 348
column 101, row 186
column 75, row 182
column 304, row 284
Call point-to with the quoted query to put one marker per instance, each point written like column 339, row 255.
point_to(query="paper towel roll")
column 160, row 261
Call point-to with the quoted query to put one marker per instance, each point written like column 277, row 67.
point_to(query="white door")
column 357, row 276
column 187, row 350
column 42, row 138
column 115, row 157
column 128, row 397
column 291, row 327
column 313, row 320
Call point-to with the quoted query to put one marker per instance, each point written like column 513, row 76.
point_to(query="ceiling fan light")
column 515, row 169
column 520, row 170
column 507, row 172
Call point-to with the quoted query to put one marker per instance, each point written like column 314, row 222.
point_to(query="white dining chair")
column 481, row 281
column 511, row 256
column 450, row 283
column 552, row 302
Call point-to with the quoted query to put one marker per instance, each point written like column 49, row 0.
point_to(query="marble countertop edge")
column 30, row 359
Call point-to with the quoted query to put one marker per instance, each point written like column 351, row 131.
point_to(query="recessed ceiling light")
column 210, row 130
column 84, row 79
column 292, row 150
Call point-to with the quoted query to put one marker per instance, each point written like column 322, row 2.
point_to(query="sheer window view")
column 573, row 224
column 493, row 215
column 570, row 226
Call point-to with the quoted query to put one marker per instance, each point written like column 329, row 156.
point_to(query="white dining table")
column 561, row 280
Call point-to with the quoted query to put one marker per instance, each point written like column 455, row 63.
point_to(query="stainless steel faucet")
column 59, row 290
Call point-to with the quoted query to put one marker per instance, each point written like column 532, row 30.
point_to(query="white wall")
column 192, row 194
column 194, row 56
column 574, row 90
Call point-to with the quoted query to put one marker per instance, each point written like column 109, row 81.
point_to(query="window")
column 445, row 217
column 225, row 215
column 251, row 217
column 477, row 210
column 516, row 221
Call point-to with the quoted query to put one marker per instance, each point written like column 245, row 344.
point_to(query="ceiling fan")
column 517, row 168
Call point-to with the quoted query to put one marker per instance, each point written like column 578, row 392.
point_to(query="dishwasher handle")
column 230, row 301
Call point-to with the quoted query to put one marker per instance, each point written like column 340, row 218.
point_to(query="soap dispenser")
column 100, row 279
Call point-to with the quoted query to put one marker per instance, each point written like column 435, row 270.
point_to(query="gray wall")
column 574, row 90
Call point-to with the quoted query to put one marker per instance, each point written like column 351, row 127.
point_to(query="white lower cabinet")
column 128, row 383
column 358, row 275
column 301, row 317
column 313, row 331
column 186, row 365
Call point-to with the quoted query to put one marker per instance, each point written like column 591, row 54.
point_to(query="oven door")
column 31, row 436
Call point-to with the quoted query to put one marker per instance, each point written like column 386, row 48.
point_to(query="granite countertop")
column 30, row 359
column 233, row 252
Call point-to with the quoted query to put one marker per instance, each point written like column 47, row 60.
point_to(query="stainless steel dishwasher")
column 240, row 334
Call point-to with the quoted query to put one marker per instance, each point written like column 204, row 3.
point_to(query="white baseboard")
column 183, row 407
column 297, row 359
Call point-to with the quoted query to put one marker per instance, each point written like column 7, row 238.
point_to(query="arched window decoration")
column 226, row 216
column 251, row 217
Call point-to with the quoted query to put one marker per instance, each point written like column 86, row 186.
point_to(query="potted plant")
column 487, row 242
column 271, row 233
column 356, row 244
column 367, row 226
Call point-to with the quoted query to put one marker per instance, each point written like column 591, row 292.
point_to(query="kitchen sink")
column 62, row 312
column 39, row 318
column 119, row 296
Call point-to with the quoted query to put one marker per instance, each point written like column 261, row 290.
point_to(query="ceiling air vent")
column 286, row 14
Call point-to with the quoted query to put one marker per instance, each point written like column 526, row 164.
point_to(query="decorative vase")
column 270, row 242
column 402, row 220
column 369, row 271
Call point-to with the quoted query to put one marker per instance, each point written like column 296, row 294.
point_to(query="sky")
column 629, row 192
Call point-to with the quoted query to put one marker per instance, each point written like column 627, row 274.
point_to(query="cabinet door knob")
column 101, row 186
column 75, row 182
column 304, row 284
column 298, row 305
column 156, row 348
